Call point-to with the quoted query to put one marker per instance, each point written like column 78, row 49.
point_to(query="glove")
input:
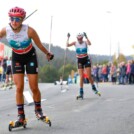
column 68, row 35
column 50, row 55
column 85, row 35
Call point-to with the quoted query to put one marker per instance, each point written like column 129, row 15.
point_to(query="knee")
column 19, row 90
column 35, row 89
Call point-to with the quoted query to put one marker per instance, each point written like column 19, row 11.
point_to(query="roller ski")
column 5, row 86
column 98, row 93
column 81, row 96
column 41, row 117
column 95, row 90
column 10, row 86
column 21, row 122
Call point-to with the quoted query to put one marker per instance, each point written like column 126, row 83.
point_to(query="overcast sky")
column 105, row 22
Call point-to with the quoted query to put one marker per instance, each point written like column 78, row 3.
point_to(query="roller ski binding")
column 81, row 96
column 40, row 116
column 21, row 122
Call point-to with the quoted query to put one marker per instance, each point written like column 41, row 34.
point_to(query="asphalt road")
column 112, row 113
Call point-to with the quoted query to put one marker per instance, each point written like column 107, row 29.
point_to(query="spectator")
column 118, row 72
column 69, row 79
column 113, row 73
column 132, row 72
column 128, row 72
column 9, row 72
column 4, row 64
column 104, row 73
column 1, row 72
column 85, row 77
column 123, row 72
column 96, row 73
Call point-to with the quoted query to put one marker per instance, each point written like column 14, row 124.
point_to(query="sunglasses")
column 16, row 19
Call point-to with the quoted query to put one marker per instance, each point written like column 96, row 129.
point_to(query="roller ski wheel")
column 41, row 117
column 5, row 86
column 13, row 124
column 10, row 87
column 98, row 93
column 2, row 85
column 19, row 123
column 79, row 97
column 45, row 119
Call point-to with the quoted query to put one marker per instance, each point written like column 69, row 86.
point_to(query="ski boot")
column 81, row 95
column 43, row 118
column 21, row 122
column 95, row 90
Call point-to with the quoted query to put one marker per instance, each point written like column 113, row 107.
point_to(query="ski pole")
column 65, row 57
column 30, row 14
column 50, row 33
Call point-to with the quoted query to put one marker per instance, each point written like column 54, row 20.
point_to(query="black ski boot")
column 95, row 90
column 20, row 121
column 40, row 116
column 81, row 94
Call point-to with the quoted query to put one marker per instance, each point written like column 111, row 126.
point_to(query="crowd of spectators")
column 4, row 68
column 123, row 73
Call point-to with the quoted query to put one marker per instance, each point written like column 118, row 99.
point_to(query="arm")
column 2, row 32
column 70, row 44
column 33, row 35
column 88, row 41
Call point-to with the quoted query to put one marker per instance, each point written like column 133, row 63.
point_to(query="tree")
column 67, row 70
column 121, row 58
column 48, row 74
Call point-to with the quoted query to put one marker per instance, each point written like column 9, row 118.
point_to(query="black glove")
column 85, row 35
column 68, row 35
column 51, row 56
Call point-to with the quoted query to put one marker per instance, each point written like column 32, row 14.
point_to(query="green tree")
column 48, row 74
column 121, row 58
column 67, row 70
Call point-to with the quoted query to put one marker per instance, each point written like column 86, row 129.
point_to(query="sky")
column 109, row 24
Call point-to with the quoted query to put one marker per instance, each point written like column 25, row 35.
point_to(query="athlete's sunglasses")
column 16, row 19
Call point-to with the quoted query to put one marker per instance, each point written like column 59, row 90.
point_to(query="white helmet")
column 80, row 35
